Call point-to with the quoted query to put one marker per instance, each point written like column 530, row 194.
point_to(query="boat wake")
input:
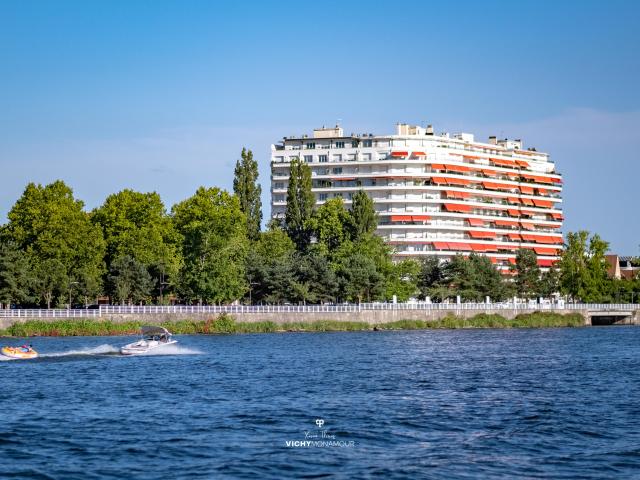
column 171, row 350
column 106, row 349
column 99, row 350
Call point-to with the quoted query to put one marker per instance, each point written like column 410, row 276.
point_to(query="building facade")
column 435, row 194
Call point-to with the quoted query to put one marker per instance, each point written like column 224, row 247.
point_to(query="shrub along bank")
column 225, row 324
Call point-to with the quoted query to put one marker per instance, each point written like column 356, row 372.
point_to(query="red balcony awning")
column 506, row 223
column 528, row 226
column 477, row 234
column 457, row 168
column 440, row 245
column 399, row 154
column 514, row 236
column 460, row 246
column 475, row 222
column 437, row 166
column 458, row 181
column 545, row 251
column 557, row 216
column 503, row 163
column 528, row 201
column 457, row 208
column 418, row 154
column 526, row 190
column 401, row 218
column 513, row 212
column 543, row 203
column 522, row 163
column 545, row 262
column 420, row 218
column 439, row 180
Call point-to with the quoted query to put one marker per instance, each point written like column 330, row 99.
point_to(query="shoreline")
column 226, row 324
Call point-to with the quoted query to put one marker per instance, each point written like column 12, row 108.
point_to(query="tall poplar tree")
column 364, row 218
column 248, row 191
column 300, row 201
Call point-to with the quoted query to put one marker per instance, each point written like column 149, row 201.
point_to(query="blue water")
column 560, row 403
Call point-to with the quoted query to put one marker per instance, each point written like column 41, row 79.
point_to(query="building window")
column 339, row 144
column 322, row 158
column 278, row 186
column 279, row 198
column 354, row 143
column 308, row 158
column 323, row 197
column 366, row 143
column 337, row 170
column 337, row 158
column 310, row 145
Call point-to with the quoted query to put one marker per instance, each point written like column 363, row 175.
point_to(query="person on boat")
column 26, row 348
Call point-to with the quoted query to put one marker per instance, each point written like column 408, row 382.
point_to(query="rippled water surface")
column 560, row 403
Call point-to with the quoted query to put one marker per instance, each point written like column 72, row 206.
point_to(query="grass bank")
column 225, row 324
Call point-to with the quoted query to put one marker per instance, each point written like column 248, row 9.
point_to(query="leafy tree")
column 583, row 269
column 314, row 282
column 15, row 275
column 403, row 281
column 51, row 281
column 488, row 281
column 136, row 224
column 527, row 278
column 550, row 282
column 364, row 218
column 51, row 227
column 248, row 191
column 473, row 278
column 129, row 280
column 300, row 202
column 330, row 224
column 214, row 246
column 269, row 266
column 429, row 276
column 359, row 279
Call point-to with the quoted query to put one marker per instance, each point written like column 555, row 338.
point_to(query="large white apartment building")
column 435, row 194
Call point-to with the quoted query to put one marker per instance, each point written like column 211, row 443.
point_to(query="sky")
column 163, row 95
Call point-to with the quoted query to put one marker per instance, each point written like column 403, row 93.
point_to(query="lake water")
column 560, row 403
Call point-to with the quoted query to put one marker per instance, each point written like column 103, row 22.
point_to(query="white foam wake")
column 173, row 350
column 99, row 350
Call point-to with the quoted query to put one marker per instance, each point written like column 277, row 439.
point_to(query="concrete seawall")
column 373, row 317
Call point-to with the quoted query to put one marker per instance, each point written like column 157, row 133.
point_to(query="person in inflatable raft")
column 26, row 348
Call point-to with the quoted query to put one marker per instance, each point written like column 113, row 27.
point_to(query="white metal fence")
column 105, row 310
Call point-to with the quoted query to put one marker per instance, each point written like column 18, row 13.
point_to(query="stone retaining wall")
column 372, row 317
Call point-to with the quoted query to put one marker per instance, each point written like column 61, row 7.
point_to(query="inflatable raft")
column 19, row 352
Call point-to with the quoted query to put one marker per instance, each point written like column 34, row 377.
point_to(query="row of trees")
column 210, row 248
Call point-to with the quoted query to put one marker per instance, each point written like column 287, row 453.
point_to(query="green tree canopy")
column 136, row 224
column 527, row 280
column 16, row 278
column 364, row 219
column 248, row 191
column 214, row 246
column 129, row 280
column 330, row 224
column 583, row 269
column 300, row 202
column 52, row 228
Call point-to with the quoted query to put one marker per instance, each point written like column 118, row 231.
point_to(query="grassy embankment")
column 226, row 324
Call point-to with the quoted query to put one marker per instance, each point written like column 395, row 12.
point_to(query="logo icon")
column 319, row 422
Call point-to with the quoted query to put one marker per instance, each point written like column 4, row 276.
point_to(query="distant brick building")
column 622, row 267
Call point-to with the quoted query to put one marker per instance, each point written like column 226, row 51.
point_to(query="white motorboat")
column 153, row 338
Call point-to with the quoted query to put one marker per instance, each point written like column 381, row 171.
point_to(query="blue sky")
column 158, row 95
